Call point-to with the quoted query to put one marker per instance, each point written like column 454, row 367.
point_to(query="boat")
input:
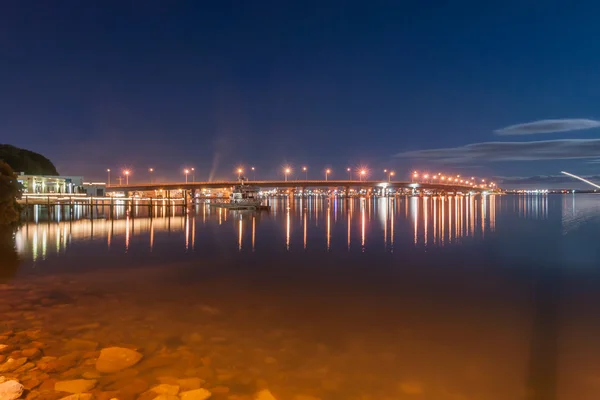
column 243, row 197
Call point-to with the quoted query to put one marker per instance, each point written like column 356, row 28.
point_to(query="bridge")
column 294, row 184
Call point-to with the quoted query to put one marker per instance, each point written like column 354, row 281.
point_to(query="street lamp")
column 240, row 173
column 253, row 174
column 186, row 172
column 305, row 172
column 151, row 170
column 415, row 175
column 286, row 172
column 108, row 170
column 349, row 174
column 193, row 174
column 362, row 173
column 126, row 172
column 392, row 173
column 327, row 171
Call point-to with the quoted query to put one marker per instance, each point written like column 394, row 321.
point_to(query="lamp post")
column 392, row 173
column 362, row 173
column 126, row 172
column 108, row 171
column 305, row 172
column 186, row 172
column 151, row 170
column 239, row 171
column 327, row 171
column 253, row 174
column 349, row 174
column 193, row 175
column 286, row 172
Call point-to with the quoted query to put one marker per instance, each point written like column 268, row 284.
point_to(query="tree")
column 10, row 192
column 29, row 162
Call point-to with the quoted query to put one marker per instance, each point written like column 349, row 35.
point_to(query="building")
column 95, row 189
column 47, row 184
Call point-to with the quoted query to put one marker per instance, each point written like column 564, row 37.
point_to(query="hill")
column 27, row 161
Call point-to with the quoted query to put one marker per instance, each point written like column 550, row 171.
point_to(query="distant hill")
column 22, row 160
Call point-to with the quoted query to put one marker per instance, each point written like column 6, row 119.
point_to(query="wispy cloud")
column 541, row 179
column 549, row 126
column 511, row 151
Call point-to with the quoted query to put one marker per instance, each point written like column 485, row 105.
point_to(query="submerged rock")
column 12, row 363
column 113, row 359
column 264, row 395
column 198, row 394
column 79, row 396
column 10, row 390
column 165, row 388
column 75, row 386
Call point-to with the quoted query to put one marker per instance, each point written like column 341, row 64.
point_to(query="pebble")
column 75, row 386
column 198, row 394
column 79, row 396
column 264, row 394
column 165, row 388
column 113, row 359
column 189, row 383
column 31, row 353
column 11, row 364
column 11, row 390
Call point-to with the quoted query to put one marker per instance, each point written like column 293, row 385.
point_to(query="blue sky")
column 96, row 85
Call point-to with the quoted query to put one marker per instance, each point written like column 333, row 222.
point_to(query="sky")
column 507, row 90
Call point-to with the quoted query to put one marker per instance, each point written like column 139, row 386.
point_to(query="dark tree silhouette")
column 10, row 192
column 26, row 161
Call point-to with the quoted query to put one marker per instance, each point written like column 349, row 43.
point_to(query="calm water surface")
column 416, row 298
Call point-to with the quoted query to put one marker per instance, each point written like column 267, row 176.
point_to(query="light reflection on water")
column 447, row 297
column 379, row 224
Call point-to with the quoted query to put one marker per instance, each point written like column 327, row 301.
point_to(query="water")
column 417, row 298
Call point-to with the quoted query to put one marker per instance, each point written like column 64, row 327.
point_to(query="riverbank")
column 300, row 334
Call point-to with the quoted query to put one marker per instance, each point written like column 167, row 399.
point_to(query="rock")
column 410, row 388
column 45, row 395
column 25, row 367
column 189, row 384
column 11, row 390
column 91, row 375
column 81, row 345
column 165, row 388
column 12, row 363
column 270, row 360
column 198, row 394
column 107, row 395
column 75, row 386
column 170, row 380
column 2, row 358
column 47, row 384
column 220, row 389
column 32, row 383
column 85, row 327
column 61, row 364
column 32, row 353
column 4, row 348
column 79, row 396
column 264, row 395
column 166, row 397
column 113, row 359
column 132, row 388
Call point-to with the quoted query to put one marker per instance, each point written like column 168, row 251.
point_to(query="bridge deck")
column 290, row 184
